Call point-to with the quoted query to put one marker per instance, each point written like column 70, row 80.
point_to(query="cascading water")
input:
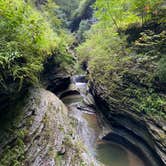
column 81, row 106
column 75, row 104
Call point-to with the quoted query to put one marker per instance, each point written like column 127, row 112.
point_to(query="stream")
column 82, row 107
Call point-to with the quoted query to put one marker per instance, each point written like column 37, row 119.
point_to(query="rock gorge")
column 82, row 83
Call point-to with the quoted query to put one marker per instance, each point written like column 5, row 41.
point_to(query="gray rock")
column 47, row 135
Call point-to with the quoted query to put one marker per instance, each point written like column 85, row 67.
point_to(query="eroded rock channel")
column 45, row 132
column 94, row 130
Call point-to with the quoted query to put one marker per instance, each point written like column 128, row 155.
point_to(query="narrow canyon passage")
column 82, row 83
column 81, row 108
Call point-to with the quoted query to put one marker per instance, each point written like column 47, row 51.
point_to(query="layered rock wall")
column 41, row 134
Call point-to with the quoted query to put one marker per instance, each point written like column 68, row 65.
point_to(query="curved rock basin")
column 112, row 154
column 106, row 152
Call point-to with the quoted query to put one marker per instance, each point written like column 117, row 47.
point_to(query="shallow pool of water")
column 111, row 154
column 72, row 99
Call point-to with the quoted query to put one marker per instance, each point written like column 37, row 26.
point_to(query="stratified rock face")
column 43, row 135
column 145, row 135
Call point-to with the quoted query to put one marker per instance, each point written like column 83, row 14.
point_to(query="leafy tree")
column 124, row 12
column 26, row 40
column 117, row 13
column 147, row 9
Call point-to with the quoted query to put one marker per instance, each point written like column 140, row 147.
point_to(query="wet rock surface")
column 44, row 135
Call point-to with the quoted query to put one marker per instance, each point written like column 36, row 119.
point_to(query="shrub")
column 26, row 39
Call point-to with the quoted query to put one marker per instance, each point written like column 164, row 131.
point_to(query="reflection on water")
column 72, row 99
column 112, row 155
column 109, row 153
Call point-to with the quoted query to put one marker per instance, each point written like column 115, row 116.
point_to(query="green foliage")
column 68, row 6
column 14, row 156
column 151, row 43
column 95, row 48
column 66, row 10
column 71, row 12
column 115, row 67
column 84, row 26
column 27, row 38
column 153, row 104
column 49, row 12
column 146, row 101
column 116, row 13
column 162, row 69
column 62, row 57
column 148, row 10
column 124, row 12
